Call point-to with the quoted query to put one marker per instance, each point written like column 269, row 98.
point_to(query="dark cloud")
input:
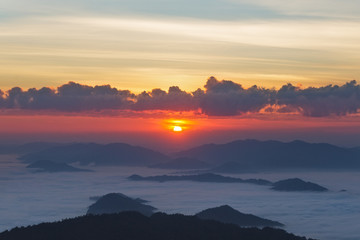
column 218, row 98
column 2, row 100
column 226, row 98
column 69, row 97
column 175, row 99
column 322, row 101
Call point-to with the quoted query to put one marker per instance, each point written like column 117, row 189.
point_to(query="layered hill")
column 116, row 203
column 262, row 155
column 234, row 157
column 205, row 177
column 296, row 184
column 290, row 185
column 227, row 214
column 98, row 154
column 26, row 148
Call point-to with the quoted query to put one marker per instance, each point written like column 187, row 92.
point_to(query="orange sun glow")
column 177, row 129
column 177, row 125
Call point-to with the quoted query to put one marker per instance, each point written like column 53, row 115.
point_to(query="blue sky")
column 208, row 9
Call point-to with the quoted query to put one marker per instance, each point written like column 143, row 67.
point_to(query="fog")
column 30, row 198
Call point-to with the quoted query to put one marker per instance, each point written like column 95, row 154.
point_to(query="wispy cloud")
column 309, row 34
column 50, row 50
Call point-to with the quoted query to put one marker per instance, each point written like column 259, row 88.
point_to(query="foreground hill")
column 98, row 154
column 135, row 226
column 227, row 214
column 113, row 203
column 117, row 202
column 264, row 155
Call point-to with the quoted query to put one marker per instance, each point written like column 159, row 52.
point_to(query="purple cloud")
column 218, row 98
column 322, row 101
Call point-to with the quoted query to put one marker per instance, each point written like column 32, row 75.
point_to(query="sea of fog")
column 28, row 198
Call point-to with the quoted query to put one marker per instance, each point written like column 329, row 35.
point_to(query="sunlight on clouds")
column 140, row 53
column 292, row 34
column 305, row 34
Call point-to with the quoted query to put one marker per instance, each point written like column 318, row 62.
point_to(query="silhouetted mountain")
column 140, row 200
column 49, row 166
column 26, row 148
column 135, row 226
column 263, row 155
column 296, row 184
column 227, row 214
column 252, row 155
column 110, row 154
column 116, row 203
column 205, row 177
column 182, row 163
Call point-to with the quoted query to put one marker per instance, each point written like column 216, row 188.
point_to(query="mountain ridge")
column 247, row 155
column 135, row 226
column 227, row 214
column 98, row 154
column 263, row 155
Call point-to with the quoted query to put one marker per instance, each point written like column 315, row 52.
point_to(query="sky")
column 301, row 55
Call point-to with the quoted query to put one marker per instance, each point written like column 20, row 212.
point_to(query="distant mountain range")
column 92, row 153
column 26, row 148
column 234, row 157
column 267, row 155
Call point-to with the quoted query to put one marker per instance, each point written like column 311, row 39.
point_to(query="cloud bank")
column 217, row 98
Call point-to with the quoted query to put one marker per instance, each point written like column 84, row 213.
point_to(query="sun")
column 177, row 129
column 177, row 125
